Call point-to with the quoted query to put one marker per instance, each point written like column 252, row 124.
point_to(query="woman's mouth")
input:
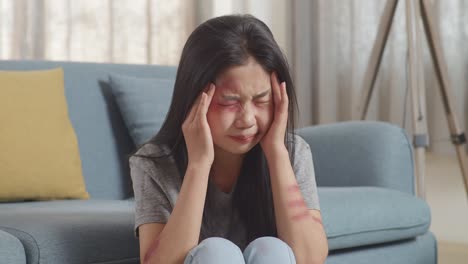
column 243, row 139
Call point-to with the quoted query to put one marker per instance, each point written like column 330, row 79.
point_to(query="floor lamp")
column 415, row 10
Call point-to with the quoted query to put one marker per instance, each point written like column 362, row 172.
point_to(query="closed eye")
column 263, row 102
column 228, row 104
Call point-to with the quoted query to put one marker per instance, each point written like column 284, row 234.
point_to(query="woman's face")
column 241, row 110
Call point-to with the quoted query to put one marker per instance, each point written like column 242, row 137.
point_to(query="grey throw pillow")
column 143, row 103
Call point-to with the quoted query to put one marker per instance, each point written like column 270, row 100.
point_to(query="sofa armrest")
column 11, row 249
column 361, row 153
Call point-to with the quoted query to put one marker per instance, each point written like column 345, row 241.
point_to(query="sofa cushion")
column 358, row 216
column 143, row 103
column 73, row 231
column 39, row 157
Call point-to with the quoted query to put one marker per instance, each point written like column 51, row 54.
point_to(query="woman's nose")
column 246, row 118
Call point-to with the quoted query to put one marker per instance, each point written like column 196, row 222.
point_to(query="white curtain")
column 327, row 42
column 125, row 31
column 333, row 41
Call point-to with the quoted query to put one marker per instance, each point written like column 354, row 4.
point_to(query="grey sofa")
column 364, row 171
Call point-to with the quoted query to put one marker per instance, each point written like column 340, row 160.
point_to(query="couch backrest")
column 102, row 136
column 361, row 153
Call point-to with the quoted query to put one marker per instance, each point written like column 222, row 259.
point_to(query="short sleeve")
column 305, row 173
column 151, row 202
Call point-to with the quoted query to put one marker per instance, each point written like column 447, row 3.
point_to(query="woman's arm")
column 298, row 226
column 182, row 230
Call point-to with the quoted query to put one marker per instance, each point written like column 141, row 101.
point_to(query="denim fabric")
column 262, row 250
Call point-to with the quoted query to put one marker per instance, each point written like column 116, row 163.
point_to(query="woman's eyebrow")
column 235, row 97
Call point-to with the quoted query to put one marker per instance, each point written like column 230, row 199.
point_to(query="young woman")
column 225, row 168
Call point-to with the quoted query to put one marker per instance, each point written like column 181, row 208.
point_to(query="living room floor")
column 447, row 198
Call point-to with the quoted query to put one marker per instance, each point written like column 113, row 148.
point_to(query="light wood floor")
column 447, row 198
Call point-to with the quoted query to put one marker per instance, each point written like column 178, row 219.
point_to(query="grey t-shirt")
column 157, row 184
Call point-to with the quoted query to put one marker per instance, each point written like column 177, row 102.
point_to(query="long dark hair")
column 214, row 46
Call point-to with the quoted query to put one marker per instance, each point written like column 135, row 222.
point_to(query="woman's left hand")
column 274, row 138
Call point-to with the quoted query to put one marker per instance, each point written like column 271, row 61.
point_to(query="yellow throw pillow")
column 39, row 154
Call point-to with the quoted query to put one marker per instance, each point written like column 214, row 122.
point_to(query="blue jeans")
column 262, row 250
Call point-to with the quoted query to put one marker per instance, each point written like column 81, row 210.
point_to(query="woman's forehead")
column 244, row 86
column 243, row 78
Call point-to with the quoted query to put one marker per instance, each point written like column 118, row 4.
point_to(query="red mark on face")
column 151, row 251
column 221, row 106
column 215, row 107
column 293, row 188
column 297, row 203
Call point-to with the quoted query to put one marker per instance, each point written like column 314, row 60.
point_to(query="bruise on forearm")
column 300, row 204
column 151, row 250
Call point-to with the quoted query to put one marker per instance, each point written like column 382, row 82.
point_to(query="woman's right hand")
column 197, row 132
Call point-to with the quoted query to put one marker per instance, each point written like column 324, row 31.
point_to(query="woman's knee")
column 269, row 250
column 215, row 250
